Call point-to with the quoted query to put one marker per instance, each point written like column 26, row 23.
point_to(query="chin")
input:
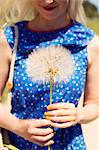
column 50, row 17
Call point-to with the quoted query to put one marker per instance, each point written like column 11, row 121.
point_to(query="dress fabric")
column 30, row 99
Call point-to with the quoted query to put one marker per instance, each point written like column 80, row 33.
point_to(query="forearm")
column 88, row 113
column 7, row 120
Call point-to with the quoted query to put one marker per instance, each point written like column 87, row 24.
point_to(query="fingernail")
column 52, row 142
column 49, row 107
column 46, row 113
column 47, row 117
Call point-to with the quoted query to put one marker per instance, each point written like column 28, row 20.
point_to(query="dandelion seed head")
column 56, row 60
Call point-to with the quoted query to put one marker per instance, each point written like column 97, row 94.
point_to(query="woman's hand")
column 37, row 131
column 33, row 130
column 62, row 115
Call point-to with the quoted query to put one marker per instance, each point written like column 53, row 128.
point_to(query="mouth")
column 50, row 8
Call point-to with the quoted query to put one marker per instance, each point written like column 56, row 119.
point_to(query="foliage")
column 91, row 10
column 94, row 24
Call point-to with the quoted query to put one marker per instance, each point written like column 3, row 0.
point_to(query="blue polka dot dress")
column 30, row 99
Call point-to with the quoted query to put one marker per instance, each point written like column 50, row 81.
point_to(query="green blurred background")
column 91, row 8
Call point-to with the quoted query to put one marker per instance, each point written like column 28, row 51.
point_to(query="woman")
column 54, row 23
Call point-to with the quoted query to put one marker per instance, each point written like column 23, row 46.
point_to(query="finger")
column 38, row 123
column 61, row 112
column 62, row 119
column 60, row 105
column 63, row 125
column 45, row 143
column 42, row 138
column 49, row 143
column 39, row 131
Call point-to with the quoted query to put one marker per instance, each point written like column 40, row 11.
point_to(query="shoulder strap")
column 9, row 84
column 16, row 38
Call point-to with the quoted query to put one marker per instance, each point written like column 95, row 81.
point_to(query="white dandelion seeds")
column 56, row 60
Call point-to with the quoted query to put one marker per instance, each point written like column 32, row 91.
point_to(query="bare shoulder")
column 5, row 50
column 91, row 94
column 93, row 49
column 5, row 59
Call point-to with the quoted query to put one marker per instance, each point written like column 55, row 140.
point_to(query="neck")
column 46, row 25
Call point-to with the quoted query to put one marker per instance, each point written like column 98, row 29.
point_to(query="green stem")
column 51, row 96
column 51, row 91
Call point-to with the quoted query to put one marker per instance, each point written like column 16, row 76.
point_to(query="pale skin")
column 65, row 113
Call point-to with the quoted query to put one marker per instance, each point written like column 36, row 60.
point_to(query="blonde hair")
column 12, row 11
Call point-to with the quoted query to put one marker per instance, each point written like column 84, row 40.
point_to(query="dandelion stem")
column 49, row 148
column 51, row 96
column 51, row 84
